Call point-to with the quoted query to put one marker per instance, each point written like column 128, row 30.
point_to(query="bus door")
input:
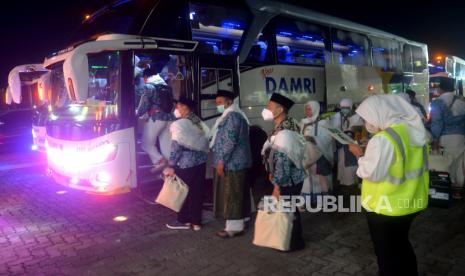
column 164, row 70
column 213, row 73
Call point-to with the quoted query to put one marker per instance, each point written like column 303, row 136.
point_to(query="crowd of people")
column 391, row 164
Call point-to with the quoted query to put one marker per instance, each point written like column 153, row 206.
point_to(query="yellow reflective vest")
column 405, row 189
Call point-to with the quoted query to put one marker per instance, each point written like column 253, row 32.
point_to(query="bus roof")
column 279, row 8
column 456, row 59
column 15, row 77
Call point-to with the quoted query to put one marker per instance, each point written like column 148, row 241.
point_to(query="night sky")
column 30, row 30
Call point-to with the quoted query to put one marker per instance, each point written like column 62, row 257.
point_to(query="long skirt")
column 454, row 145
column 231, row 194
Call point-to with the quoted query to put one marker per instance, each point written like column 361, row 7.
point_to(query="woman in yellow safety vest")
column 395, row 179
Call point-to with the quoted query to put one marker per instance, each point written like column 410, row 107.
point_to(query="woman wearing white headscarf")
column 319, row 180
column 347, row 121
column 395, row 179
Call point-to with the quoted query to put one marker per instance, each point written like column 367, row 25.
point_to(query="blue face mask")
column 220, row 108
column 345, row 111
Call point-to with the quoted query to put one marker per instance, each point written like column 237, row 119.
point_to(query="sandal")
column 229, row 234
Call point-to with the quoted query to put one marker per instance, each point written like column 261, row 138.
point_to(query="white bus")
column 253, row 48
column 26, row 98
column 449, row 66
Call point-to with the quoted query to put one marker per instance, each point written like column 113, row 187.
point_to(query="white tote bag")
column 173, row 193
column 440, row 162
column 273, row 229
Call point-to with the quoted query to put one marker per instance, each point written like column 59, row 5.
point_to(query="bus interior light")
column 231, row 25
column 191, row 15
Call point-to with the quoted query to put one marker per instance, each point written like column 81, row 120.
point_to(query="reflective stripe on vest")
column 411, row 174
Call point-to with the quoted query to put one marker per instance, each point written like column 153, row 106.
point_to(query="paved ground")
column 43, row 232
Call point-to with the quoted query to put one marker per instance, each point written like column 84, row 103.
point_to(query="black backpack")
column 165, row 95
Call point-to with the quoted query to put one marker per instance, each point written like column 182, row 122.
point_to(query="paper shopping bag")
column 173, row 193
column 273, row 229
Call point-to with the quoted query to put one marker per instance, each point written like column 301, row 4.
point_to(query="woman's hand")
column 220, row 169
column 168, row 172
column 276, row 192
column 356, row 150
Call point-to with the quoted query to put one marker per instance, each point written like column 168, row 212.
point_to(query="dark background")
column 30, row 30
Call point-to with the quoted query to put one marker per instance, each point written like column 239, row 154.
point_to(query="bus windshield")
column 59, row 98
column 95, row 116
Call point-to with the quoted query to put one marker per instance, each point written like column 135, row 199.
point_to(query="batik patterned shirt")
column 232, row 145
column 285, row 172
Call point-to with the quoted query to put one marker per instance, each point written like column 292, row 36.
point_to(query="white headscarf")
column 382, row 111
column 315, row 107
column 346, row 103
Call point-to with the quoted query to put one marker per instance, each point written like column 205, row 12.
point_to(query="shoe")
column 229, row 234
column 196, row 227
column 176, row 225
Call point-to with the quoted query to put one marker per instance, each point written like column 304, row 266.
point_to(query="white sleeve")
column 374, row 165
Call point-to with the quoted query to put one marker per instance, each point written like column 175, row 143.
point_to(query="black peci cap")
column 282, row 100
column 188, row 102
column 226, row 94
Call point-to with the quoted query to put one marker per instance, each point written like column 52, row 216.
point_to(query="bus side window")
column 300, row 42
column 217, row 29
column 414, row 59
column 407, row 59
column 350, row 48
column 259, row 52
column 419, row 59
column 386, row 54
column 449, row 66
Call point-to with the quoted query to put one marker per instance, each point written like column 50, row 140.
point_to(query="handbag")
column 273, row 229
column 173, row 193
column 440, row 162
column 312, row 154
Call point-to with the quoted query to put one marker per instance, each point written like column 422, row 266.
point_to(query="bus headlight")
column 72, row 159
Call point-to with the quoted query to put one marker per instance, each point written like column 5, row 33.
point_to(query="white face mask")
column 371, row 128
column 267, row 115
column 177, row 114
